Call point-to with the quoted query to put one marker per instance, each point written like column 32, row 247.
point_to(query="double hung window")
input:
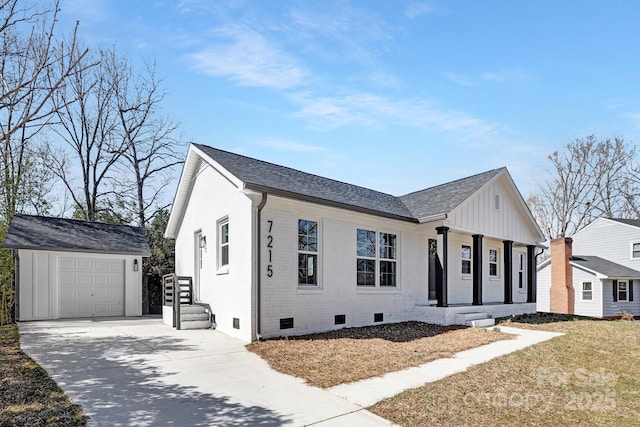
column 376, row 258
column 307, row 252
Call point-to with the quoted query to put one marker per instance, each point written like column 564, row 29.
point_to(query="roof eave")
column 325, row 202
column 145, row 253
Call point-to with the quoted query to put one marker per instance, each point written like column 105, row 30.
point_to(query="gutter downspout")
column 259, row 255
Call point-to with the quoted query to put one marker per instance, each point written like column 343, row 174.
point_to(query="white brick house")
column 275, row 251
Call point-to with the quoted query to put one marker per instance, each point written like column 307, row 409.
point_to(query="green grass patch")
column 28, row 396
column 589, row 376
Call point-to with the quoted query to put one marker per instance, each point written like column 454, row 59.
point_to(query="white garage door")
column 90, row 287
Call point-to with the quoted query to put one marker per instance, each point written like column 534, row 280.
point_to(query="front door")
column 198, row 246
column 433, row 268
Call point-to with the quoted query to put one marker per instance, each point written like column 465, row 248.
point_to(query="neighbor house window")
column 635, row 250
column 622, row 291
column 466, row 259
column 493, row 262
column 587, row 291
column 521, row 271
column 307, row 252
column 376, row 253
column 223, row 242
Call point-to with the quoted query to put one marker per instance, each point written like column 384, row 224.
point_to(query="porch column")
column 508, row 271
column 477, row 269
column 531, row 273
column 441, row 291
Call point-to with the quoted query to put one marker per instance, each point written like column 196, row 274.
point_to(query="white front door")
column 89, row 287
column 198, row 246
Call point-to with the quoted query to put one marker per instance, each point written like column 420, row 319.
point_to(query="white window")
column 376, row 253
column 587, row 291
column 635, row 250
column 223, row 242
column 466, row 259
column 493, row 262
column 307, row 252
column 521, row 271
column 622, row 291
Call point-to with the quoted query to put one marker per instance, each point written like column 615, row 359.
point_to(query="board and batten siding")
column 507, row 222
column 608, row 239
column 38, row 282
column 587, row 308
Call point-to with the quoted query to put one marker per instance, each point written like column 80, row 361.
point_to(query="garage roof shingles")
column 61, row 234
column 265, row 176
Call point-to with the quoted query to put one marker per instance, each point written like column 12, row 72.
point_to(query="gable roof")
column 61, row 234
column 444, row 198
column 633, row 222
column 264, row 176
column 603, row 266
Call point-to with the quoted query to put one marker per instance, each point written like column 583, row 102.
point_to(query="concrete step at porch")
column 195, row 324
column 191, row 309
column 194, row 317
column 475, row 319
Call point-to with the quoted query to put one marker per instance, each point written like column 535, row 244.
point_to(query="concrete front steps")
column 475, row 320
column 194, row 317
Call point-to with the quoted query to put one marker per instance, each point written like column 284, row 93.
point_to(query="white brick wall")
column 212, row 198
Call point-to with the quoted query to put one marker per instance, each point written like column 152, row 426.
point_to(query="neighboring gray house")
column 277, row 251
column 67, row 268
column 600, row 281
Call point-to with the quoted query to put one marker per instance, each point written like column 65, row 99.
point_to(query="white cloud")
column 509, row 74
column 283, row 145
column 460, row 79
column 369, row 109
column 250, row 60
column 416, row 9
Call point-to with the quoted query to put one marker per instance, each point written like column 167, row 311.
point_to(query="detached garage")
column 67, row 268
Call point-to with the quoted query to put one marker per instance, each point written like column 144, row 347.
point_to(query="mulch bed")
column 352, row 354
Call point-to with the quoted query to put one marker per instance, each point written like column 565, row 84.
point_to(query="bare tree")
column 86, row 120
column 587, row 180
column 150, row 139
column 28, row 51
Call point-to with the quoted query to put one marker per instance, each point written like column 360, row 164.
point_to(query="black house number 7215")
column 270, row 247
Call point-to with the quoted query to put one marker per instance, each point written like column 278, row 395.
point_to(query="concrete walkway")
column 367, row 392
column 140, row 372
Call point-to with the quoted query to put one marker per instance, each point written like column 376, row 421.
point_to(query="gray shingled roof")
column 265, row 176
column 634, row 222
column 604, row 266
column 60, row 234
column 444, row 198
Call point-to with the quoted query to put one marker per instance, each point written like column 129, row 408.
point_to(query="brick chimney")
column 562, row 293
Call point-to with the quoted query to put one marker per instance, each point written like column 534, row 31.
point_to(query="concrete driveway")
column 139, row 372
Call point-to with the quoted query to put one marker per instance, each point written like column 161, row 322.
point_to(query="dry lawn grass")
column 28, row 396
column 588, row 377
column 353, row 354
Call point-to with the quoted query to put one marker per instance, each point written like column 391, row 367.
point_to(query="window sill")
column 223, row 270
column 309, row 290
column 466, row 277
column 495, row 279
column 377, row 290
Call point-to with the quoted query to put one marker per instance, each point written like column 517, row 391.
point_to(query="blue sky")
column 391, row 95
